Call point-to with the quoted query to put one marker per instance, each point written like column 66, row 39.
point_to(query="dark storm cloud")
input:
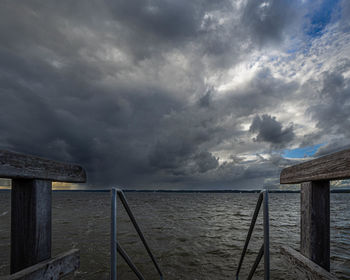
column 267, row 20
column 129, row 89
column 332, row 109
column 246, row 175
column 268, row 129
column 182, row 142
column 205, row 100
column 151, row 27
column 263, row 92
column 166, row 19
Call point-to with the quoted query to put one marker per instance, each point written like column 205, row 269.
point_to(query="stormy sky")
column 176, row 94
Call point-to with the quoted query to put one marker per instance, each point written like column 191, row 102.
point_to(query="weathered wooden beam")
column 30, row 222
column 309, row 269
column 51, row 269
column 15, row 165
column 315, row 222
column 331, row 167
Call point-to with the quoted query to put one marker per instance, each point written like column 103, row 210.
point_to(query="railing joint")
column 114, row 244
column 264, row 250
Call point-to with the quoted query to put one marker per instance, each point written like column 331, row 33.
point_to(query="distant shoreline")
column 192, row 191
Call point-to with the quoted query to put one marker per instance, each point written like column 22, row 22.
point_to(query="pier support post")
column 30, row 222
column 31, row 225
column 315, row 222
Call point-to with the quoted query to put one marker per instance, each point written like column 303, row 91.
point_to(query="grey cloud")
column 244, row 175
column 205, row 100
column 267, row 20
column 332, row 109
column 182, row 140
column 263, row 92
column 268, row 129
column 333, row 146
column 206, row 161
column 163, row 18
column 153, row 27
column 345, row 15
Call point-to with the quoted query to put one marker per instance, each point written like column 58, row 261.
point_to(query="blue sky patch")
column 320, row 17
column 302, row 152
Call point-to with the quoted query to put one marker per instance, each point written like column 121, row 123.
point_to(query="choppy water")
column 193, row 236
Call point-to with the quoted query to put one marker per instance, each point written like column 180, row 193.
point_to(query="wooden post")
column 31, row 204
column 315, row 222
column 30, row 222
column 314, row 176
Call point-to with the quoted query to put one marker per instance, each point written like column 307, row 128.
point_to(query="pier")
column 31, row 220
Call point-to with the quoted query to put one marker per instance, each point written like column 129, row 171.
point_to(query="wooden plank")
column 30, row 222
column 331, row 167
column 14, row 165
column 308, row 268
column 51, row 269
column 315, row 222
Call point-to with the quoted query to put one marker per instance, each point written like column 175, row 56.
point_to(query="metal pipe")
column 133, row 220
column 113, row 234
column 256, row 263
column 251, row 228
column 127, row 259
column 266, row 237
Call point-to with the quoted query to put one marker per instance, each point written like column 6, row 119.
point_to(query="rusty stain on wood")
column 330, row 167
column 52, row 269
column 15, row 165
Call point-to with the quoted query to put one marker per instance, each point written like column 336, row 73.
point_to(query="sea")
column 194, row 236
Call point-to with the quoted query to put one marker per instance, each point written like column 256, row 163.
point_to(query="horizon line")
column 334, row 190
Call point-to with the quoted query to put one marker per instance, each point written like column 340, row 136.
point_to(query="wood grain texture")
column 315, row 222
column 15, row 165
column 304, row 266
column 30, row 222
column 331, row 167
column 51, row 269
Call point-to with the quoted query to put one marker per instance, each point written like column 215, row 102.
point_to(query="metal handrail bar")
column 114, row 244
column 133, row 220
column 256, row 263
column 264, row 250
column 251, row 228
column 266, row 236
column 113, row 234
column 127, row 259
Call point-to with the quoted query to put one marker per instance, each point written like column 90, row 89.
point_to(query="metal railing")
column 115, row 246
column 264, row 249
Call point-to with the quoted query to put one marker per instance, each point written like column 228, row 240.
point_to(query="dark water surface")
column 193, row 235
